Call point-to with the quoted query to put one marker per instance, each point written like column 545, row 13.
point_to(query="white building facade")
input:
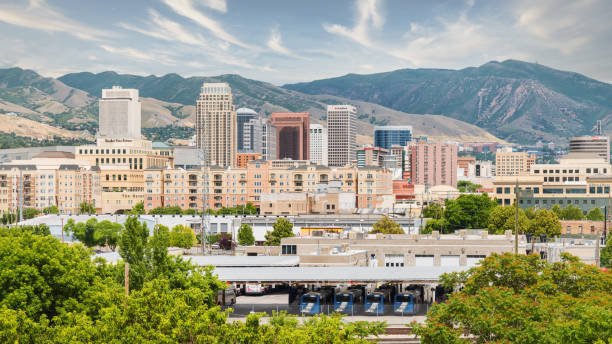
column 119, row 114
column 318, row 144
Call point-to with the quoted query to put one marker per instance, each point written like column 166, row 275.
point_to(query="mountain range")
column 514, row 100
column 170, row 100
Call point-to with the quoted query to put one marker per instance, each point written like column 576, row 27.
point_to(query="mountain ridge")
column 514, row 100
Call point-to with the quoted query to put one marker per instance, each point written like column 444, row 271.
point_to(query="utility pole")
column 62, row 219
column 20, row 195
column 516, row 212
column 203, row 222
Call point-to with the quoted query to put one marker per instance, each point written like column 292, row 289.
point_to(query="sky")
column 285, row 41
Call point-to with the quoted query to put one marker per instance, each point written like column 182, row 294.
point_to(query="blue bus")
column 403, row 303
column 310, row 303
column 375, row 301
column 344, row 301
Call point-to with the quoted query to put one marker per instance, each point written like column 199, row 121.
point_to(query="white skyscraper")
column 318, row 144
column 119, row 114
column 216, row 127
column 341, row 131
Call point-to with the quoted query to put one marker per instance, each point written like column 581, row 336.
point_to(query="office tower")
column 243, row 116
column 509, row 163
column 293, row 135
column 598, row 146
column 260, row 137
column 216, row 124
column 341, row 133
column 433, row 163
column 119, row 111
column 389, row 135
column 318, row 144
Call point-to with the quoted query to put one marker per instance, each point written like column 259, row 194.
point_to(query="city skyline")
column 262, row 40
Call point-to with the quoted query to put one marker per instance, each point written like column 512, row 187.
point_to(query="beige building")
column 216, row 126
column 341, row 134
column 512, row 163
column 44, row 182
column 122, row 163
column 579, row 180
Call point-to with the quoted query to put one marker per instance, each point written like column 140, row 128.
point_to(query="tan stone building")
column 512, row 163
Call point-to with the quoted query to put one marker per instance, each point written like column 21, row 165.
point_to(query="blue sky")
column 290, row 41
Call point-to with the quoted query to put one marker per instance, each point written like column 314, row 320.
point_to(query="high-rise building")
column 598, row 146
column 371, row 156
column 433, row 163
column 216, row 124
column 389, row 135
column 318, row 144
column 243, row 116
column 342, row 134
column 292, row 135
column 119, row 114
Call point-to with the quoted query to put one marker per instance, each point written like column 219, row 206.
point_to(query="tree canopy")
column 55, row 293
column 182, row 236
column 86, row 208
column 545, row 222
column 433, row 211
column 523, row 299
column 502, row 219
column 595, row 214
column 467, row 186
column 282, row 228
column 93, row 233
column 245, row 235
column 469, row 211
column 386, row 226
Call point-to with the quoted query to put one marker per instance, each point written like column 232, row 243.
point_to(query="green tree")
column 595, row 214
column 522, row 299
column 30, row 213
column 175, row 210
column 557, row 210
column 182, row 236
column 572, row 213
column 467, row 186
column 86, row 208
column 83, row 232
column 606, row 254
column 138, row 209
column 245, row 235
column 545, row 222
column 41, row 229
column 386, row 226
column 107, row 233
column 51, row 210
column 433, row 211
column 282, row 228
column 8, row 218
column 502, row 219
column 439, row 225
column 469, row 211
column 530, row 213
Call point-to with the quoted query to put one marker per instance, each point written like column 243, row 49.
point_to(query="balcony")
column 297, row 177
column 193, row 177
column 193, row 183
column 218, row 177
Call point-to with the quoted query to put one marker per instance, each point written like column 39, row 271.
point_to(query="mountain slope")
column 514, row 100
column 267, row 98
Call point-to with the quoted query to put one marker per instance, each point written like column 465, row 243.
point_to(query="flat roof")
column 245, row 261
column 411, row 274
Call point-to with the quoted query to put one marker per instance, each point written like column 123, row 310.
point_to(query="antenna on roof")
column 599, row 128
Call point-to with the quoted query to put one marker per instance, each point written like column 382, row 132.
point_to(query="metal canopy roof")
column 411, row 274
column 245, row 261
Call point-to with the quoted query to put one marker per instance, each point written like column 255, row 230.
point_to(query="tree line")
column 56, row 293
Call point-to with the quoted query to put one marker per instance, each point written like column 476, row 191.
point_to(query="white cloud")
column 38, row 15
column 187, row 9
column 167, row 30
column 218, row 5
column 368, row 14
column 567, row 26
column 275, row 43
column 139, row 55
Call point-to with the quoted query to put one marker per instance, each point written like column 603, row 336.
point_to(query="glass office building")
column 389, row 135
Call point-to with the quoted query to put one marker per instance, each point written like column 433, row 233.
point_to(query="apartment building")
column 237, row 186
column 433, row 163
column 342, row 134
column 216, row 124
column 45, row 182
column 371, row 156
